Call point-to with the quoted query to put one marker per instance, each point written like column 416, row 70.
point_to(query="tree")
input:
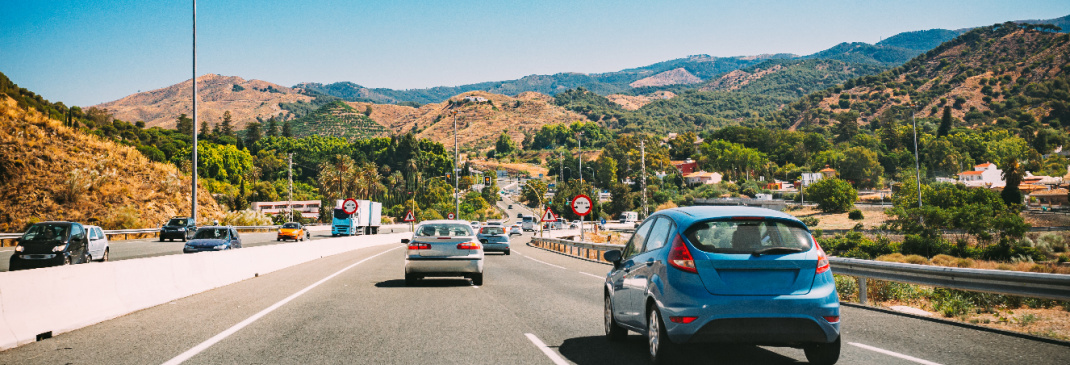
column 204, row 131
column 504, row 145
column 848, row 126
column 184, row 125
column 287, row 129
column 226, row 128
column 253, row 133
column 272, row 129
column 832, row 195
column 368, row 111
column 683, row 146
column 1012, row 174
column 945, row 123
column 863, row 168
column 533, row 192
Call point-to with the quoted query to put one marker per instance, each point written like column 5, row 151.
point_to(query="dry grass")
column 874, row 216
column 951, row 261
column 529, row 169
column 51, row 172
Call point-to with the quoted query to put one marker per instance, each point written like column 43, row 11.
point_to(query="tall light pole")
column 579, row 143
column 456, row 160
column 194, row 188
column 917, row 163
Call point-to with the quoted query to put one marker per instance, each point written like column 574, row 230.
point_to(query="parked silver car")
column 99, row 249
column 443, row 248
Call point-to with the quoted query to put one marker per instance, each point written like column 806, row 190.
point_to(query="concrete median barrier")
column 40, row 303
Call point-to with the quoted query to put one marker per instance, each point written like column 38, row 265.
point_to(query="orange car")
column 293, row 231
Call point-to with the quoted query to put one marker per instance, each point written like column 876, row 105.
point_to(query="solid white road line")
column 893, row 354
column 230, row 331
column 593, row 275
column 546, row 350
column 541, row 262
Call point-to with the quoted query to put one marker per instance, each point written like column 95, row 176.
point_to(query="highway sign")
column 450, row 216
column 581, row 205
column 409, row 217
column 350, row 206
column 549, row 216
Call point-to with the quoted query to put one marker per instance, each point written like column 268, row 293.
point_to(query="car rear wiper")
column 776, row 251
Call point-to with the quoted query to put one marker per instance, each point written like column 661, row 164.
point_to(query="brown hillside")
column 671, row 77
column 739, row 78
column 51, row 172
column 161, row 107
column 634, row 102
column 478, row 124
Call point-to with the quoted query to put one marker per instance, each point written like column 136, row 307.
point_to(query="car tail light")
column 680, row 257
column 832, row 319
column 684, row 320
column 468, row 246
column 419, row 246
column 822, row 259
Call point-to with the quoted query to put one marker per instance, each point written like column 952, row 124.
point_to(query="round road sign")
column 581, row 205
column 350, row 206
column 449, row 216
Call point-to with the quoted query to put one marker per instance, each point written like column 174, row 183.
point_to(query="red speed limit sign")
column 350, row 206
column 581, row 205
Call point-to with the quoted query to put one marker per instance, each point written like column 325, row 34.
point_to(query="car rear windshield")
column 492, row 230
column 444, row 230
column 46, row 232
column 290, row 225
column 176, row 222
column 749, row 236
column 212, row 233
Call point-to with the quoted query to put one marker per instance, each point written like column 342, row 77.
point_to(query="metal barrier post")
column 861, row 289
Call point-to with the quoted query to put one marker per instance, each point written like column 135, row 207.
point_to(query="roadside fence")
column 6, row 238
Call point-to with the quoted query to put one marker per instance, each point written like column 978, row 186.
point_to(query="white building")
column 702, row 177
column 307, row 208
column 985, row 175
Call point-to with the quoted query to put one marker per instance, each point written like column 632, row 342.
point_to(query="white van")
column 527, row 223
column 629, row 217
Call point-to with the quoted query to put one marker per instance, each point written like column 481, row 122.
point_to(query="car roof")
column 685, row 216
column 441, row 221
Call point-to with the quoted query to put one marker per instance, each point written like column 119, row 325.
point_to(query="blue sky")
column 89, row 52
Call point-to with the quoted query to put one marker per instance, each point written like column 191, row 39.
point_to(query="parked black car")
column 50, row 244
column 181, row 228
column 214, row 238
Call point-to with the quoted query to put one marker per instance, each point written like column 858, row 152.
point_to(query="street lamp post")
column 193, row 207
column 917, row 163
column 456, row 160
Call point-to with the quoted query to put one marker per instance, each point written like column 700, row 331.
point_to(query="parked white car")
column 99, row 250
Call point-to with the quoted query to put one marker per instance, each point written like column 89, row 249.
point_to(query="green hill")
column 336, row 119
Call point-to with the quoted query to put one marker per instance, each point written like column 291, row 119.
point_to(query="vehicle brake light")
column 420, row 246
column 680, row 257
column 822, row 259
column 832, row 319
column 684, row 320
column 468, row 246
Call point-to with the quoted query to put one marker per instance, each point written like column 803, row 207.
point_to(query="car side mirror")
column 483, row 241
column 405, row 240
column 613, row 256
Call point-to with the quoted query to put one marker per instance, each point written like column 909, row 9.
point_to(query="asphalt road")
column 150, row 247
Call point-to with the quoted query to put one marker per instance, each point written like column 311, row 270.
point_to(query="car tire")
column 477, row 279
column 507, row 252
column 66, row 260
column 104, row 258
column 823, row 353
column 659, row 346
column 161, row 238
column 410, row 280
column 86, row 258
column 614, row 332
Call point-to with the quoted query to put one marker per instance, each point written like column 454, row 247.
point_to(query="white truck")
column 629, row 217
column 366, row 220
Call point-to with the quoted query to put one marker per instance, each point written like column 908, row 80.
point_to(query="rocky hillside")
column 338, row 119
column 52, row 172
column 982, row 75
column 671, row 77
column 245, row 99
column 479, row 122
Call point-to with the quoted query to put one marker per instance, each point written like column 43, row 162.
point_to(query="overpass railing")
column 1019, row 283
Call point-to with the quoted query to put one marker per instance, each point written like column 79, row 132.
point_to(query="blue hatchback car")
column 723, row 275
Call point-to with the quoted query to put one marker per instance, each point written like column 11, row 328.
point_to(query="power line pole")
column 194, row 187
column 917, row 163
column 290, row 178
column 642, row 159
column 456, row 160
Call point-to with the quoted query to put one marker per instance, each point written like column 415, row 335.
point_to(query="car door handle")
column 650, row 262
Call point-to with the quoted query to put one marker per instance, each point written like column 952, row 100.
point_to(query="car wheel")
column 86, row 258
column 477, row 279
column 507, row 252
column 614, row 332
column 104, row 258
column 161, row 238
column 823, row 353
column 66, row 260
column 184, row 238
column 410, row 280
column 659, row 346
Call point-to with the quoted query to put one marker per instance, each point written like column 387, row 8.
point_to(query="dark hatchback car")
column 180, row 228
column 213, row 239
column 50, row 244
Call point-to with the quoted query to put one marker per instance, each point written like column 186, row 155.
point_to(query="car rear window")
column 212, row 233
column 444, row 230
column 492, row 230
column 748, row 236
column 176, row 222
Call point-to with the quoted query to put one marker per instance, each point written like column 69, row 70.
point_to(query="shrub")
column 810, row 221
column 951, row 303
column 858, row 227
column 846, row 287
column 924, row 246
column 855, row 214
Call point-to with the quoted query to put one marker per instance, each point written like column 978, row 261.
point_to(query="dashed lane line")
column 546, row 350
column 893, row 354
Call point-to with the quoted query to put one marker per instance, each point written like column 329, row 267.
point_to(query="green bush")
column 923, row 246
column 951, row 303
column 846, row 287
column 810, row 221
column 832, row 195
column 855, row 214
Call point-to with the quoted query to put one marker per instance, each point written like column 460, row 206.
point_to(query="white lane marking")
column 541, row 262
column 546, row 350
column 592, row 275
column 893, row 354
column 230, row 331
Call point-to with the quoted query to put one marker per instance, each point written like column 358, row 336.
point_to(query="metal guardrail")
column 112, row 232
column 1025, row 284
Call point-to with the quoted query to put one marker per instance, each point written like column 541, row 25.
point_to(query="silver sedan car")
column 443, row 248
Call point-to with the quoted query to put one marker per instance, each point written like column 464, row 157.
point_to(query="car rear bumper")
column 495, row 247
column 34, row 261
column 177, row 235
column 444, row 266
column 782, row 320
